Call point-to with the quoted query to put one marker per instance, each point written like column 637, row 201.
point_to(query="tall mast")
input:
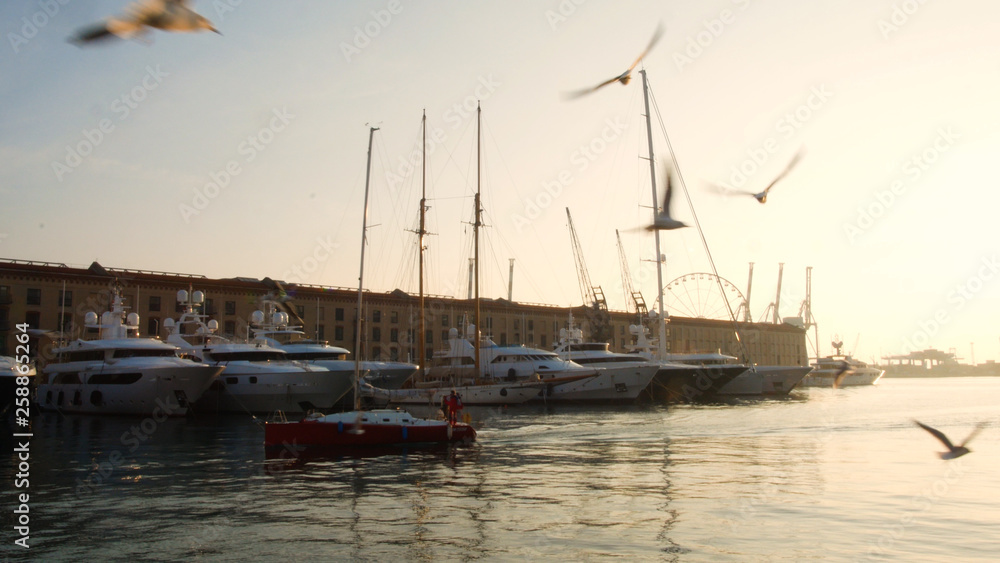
column 477, row 224
column 661, row 346
column 421, row 343
column 361, row 275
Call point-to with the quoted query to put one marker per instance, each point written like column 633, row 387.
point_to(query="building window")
column 300, row 310
column 376, row 334
column 430, row 337
column 531, row 324
column 321, row 313
column 338, row 314
column 543, row 342
column 320, row 332
column 5, row 297
column 338, row 332
column 393, row 335
column 34, row 296
column 153, row 326
column 65, row 298
column 377, row 352
column 33, row 318
column 230, row 308
column 65, row 322
column 394, row 316
column 376, row 316
column 230, row 328
column 154, row 302
column 444, row 320
column 444, row 336
column 503, row 338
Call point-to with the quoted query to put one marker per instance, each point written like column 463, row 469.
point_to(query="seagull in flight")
column 842, row 372
column 168, row 15
column 663, row 221
column 625, row 76
column 953, row 451
column 762, row 196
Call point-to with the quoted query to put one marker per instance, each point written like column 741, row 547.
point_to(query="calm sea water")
column 827, row 475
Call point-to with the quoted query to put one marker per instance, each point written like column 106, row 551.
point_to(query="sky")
column 244, row 154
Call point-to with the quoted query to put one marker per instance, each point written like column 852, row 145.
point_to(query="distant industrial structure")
column 55, row 297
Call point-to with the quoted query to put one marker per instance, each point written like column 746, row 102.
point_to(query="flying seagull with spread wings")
column 762, row 196
column 953, row 451
column 168, row 15
column 625, row 76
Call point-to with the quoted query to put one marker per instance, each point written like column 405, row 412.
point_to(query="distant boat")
column 826, row 369
column 851, row 372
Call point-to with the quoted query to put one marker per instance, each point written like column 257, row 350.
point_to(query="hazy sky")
column 244, row 154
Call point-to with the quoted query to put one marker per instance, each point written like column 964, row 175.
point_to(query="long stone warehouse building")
column 52, row 296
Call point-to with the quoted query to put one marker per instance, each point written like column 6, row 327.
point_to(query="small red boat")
column 380, row 427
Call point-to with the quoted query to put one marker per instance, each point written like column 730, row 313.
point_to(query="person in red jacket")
column 454, row 402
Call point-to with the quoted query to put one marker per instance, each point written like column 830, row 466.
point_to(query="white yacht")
column 507, row 375
column 280, row 334
column 620, row 377
column 755, row 380
column 679, row 380
column 258, row 378
column 120, row 373
column 852, row 372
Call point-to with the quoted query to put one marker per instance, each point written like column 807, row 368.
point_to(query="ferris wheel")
column 704, row 296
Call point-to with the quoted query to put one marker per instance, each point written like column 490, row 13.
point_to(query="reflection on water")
column 753, row 479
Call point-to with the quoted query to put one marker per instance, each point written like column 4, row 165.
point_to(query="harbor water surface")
column 824, row 474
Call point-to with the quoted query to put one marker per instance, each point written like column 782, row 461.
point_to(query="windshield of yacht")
column 249, row 356
column 140, row 353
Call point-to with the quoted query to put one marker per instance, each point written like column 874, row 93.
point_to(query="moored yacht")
column 620, row 377
column 292, row 339
column 850, row 371
column 258, row 378
column 678, row 381
column 120, row 373
column 756, row 380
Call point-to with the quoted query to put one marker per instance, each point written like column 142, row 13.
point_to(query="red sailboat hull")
column 377, row 429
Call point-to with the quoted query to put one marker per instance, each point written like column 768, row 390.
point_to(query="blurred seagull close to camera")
column 953, row 451
column 625, row 76
column 762, row 196
column 663, row 221
column 168, row 15
column 842, row 372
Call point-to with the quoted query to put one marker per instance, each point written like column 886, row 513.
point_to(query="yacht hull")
column 611, row 384
column 675, row 383
column 766, row 380
column 264, row 392
column 492, row 394
column 167, row 391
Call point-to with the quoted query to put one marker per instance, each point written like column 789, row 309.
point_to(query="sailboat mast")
column 421, row 337
column 661, row 346
column 476, row 225
column 361, row 276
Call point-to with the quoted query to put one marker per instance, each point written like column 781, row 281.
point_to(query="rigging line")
column 539, row 240
column 525, row 272
column 694, row 215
